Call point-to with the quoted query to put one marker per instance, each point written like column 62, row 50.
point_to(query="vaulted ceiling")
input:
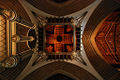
column 60, row 8
column 57, row 8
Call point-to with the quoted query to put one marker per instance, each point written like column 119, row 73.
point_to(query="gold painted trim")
column 25, row 25
column 13, row 33
column 8, row 37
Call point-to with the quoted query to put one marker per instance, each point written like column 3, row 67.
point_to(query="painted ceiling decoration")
column 108, row 39
column 53, row 34
column 59, row 41
column 32, row 39
column 51, row 30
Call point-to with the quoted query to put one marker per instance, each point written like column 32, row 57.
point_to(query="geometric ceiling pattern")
column 108, row 39
column 59, row 38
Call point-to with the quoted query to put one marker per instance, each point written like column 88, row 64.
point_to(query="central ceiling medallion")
column 59, row 38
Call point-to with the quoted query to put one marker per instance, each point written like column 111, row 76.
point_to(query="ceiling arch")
column 60, row 67
column 103, row 68
column 60, row 9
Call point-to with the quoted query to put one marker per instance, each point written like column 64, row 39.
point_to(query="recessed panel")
column 59, row 38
